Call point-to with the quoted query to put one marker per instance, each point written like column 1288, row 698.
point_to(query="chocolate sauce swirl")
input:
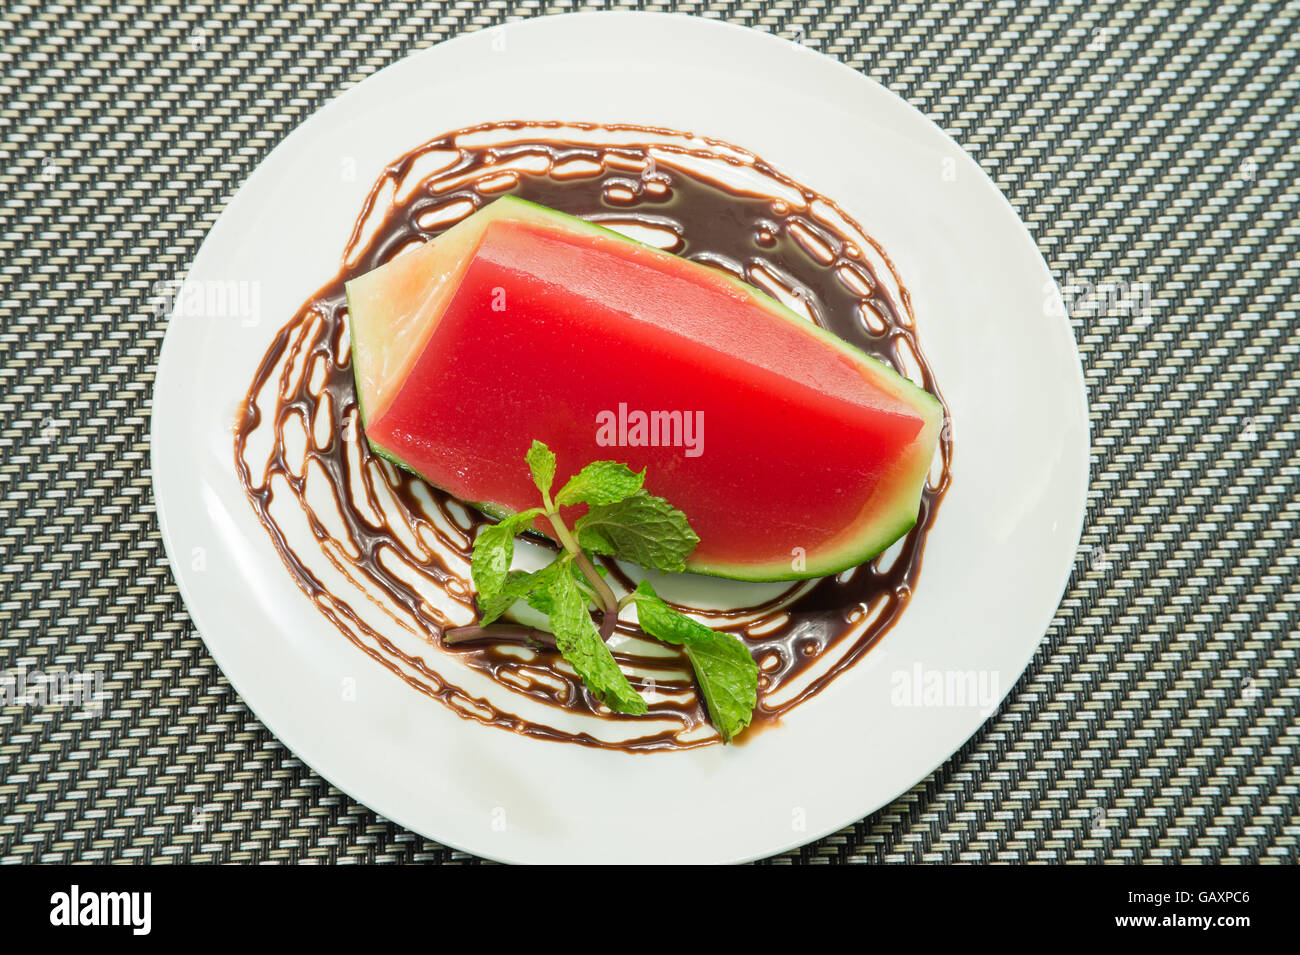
column 386, row 557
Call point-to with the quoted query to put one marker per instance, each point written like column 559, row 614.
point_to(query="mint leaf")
column 533, row 588
column 579, row 641
column 642, row 528
column 724, row 667
column 539, row 596
column 664, row 623
column 494, row 549
column 541, row 461
column 600, row 482
column 518, row 585
column 728, row 678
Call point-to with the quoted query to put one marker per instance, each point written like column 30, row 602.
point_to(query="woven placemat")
column 1150, row 148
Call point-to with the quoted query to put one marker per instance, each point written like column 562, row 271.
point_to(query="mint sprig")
column 623, row 520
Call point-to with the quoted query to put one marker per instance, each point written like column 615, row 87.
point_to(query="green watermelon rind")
column 874, row 533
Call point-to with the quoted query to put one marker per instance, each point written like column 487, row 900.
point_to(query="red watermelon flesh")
column 792, row 455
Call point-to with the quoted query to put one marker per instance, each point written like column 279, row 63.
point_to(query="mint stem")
column 609, row 604
column 496, row 631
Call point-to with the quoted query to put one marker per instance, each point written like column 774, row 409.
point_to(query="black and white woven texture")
column 1151, row 149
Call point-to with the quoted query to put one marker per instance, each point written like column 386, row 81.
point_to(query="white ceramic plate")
column 995, row 564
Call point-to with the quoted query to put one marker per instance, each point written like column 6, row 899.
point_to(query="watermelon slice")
column 792, row 453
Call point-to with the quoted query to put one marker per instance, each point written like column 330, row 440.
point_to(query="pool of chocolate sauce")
column 754, row 236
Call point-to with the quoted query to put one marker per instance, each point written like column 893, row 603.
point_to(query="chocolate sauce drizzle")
column 396, row 541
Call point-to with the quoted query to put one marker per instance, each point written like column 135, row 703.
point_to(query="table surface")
column 1151, row 149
